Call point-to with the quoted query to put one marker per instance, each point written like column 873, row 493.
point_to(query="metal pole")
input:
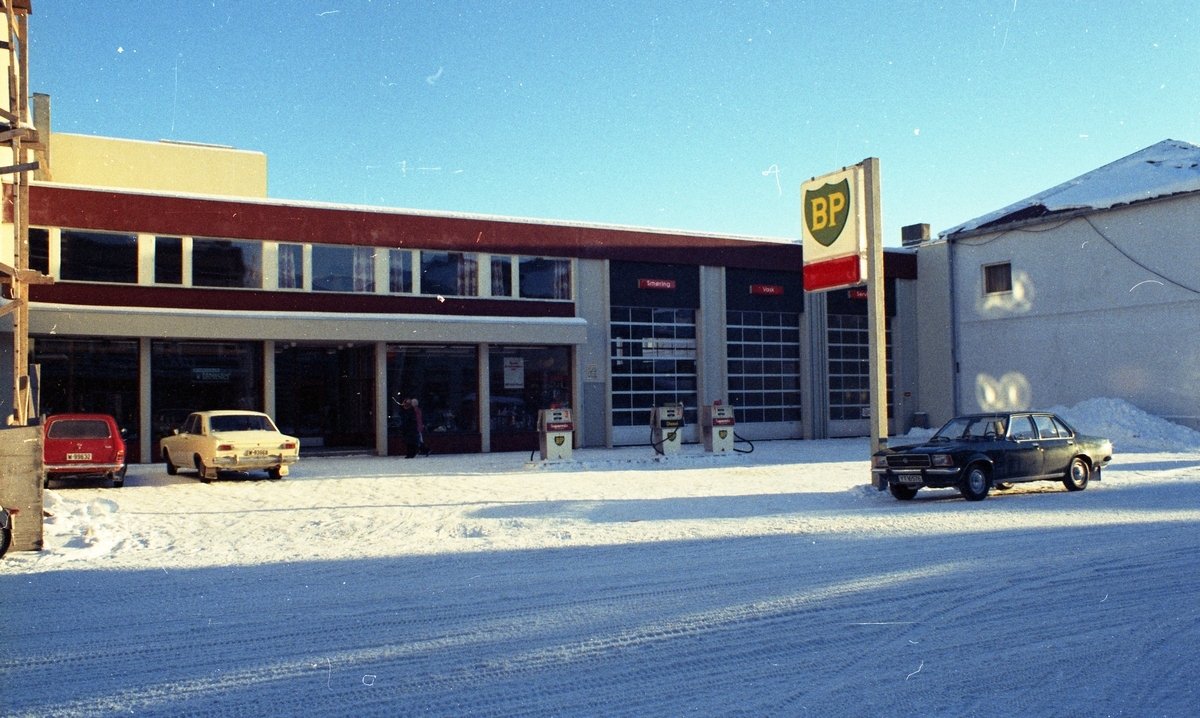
column 876, row 314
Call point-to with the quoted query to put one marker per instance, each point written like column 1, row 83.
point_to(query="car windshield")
column 240, row 422
column 79, row 429
column 970, row 427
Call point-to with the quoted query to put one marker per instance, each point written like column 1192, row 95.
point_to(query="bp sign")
column 833, row 230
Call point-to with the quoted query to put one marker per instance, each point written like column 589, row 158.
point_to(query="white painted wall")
column 1084, row 319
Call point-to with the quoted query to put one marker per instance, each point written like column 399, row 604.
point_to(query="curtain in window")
column 562, row 279
column 364, row 269
column 468, row 275
column 501, row 276
column 399, row 270
column 289, row 272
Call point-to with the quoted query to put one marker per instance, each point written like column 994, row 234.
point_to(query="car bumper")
column 931, row 477
column 84, row 469
column 251, row 463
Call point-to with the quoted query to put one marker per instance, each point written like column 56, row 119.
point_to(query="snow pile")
column 1167, row 168
column 89, row 529
column 1128, row 427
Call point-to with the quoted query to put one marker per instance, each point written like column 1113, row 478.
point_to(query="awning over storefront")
column 76, row 320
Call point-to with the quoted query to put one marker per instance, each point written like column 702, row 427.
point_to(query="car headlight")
column 941, row 460
column 879, row 462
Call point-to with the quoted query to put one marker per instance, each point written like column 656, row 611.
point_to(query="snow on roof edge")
column 1167, row 168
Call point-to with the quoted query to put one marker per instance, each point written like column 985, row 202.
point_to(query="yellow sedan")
column 213, row 441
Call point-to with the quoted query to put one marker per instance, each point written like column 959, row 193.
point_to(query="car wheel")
column 1003, row 485
column 1077, row 475
column 274, row 474
column 976, row 483
column 172, row 469
column 201, row 469
column 902, row 492
column 118, row 481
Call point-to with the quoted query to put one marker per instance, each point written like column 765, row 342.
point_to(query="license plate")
column 79, row 457
column 910, row 479
column 256, row 452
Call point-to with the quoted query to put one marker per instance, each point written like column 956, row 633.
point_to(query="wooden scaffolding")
column 18, row 133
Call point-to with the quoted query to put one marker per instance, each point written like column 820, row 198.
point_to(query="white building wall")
column 1103, row 305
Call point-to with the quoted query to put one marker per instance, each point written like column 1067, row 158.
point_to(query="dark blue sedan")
column 975, row 453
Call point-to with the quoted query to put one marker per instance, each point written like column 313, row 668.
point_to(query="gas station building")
column 180, row 286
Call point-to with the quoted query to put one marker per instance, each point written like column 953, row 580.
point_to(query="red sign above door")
column 667, row 284
column 773, row 290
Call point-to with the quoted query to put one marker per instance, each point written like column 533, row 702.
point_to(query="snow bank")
column 1129, row 428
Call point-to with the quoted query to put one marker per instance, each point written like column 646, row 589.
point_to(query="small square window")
column 997, row 278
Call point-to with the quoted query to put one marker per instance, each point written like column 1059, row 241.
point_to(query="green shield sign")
column 825, row 211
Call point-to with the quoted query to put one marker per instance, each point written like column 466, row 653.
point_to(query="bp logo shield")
column 825, row 211
column 560, row 440
column 723, row 433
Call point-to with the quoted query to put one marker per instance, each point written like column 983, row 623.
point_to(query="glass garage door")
column 763, row 352
column 653, row 357
column 849, row 367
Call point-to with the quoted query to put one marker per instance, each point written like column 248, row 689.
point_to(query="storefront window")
column 452, row 274
column 444, row 379
column 764, row 365
column 849, row 367
column 399, row 271
column 98, row 257
column 201, row 376
column 524, row 380
column 168, row 260
column 91, row 375
column 501, row 276
column 325, row 395
column 226, row 263
column 343, row 269
column 543, row 278
column 291, row 266
column 39, row 249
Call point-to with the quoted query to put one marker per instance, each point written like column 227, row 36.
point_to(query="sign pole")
column 876, row 311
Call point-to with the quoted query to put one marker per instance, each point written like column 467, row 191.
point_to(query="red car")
column 83, row 446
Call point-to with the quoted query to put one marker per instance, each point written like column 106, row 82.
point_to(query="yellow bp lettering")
column 837, row 202
column 820, row 213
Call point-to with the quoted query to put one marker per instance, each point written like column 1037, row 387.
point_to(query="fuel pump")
column 717, row 425
column 555, row 433
column 666, row 428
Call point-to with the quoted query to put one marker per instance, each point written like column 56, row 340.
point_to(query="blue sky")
column 703, row 116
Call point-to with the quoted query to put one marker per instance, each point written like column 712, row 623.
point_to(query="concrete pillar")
column 269, row 378
column 381, row 399
column 145, row 417
column 485, row 399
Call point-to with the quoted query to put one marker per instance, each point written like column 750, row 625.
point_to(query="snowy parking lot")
column 773, row 583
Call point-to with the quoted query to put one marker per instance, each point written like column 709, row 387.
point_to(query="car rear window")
column 79, row 429
column 240, row 422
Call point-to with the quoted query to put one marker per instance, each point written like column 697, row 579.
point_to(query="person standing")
column 422, row 449
column 409, row 429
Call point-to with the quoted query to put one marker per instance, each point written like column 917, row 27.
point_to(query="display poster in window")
column 514, row 372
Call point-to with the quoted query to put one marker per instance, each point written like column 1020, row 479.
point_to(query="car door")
column 1023, row 457
column 1057, row 446
column 186, row 440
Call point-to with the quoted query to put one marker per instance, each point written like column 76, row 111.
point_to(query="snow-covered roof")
column 1167, row 168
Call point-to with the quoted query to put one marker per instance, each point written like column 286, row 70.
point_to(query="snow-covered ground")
column 773, row 583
